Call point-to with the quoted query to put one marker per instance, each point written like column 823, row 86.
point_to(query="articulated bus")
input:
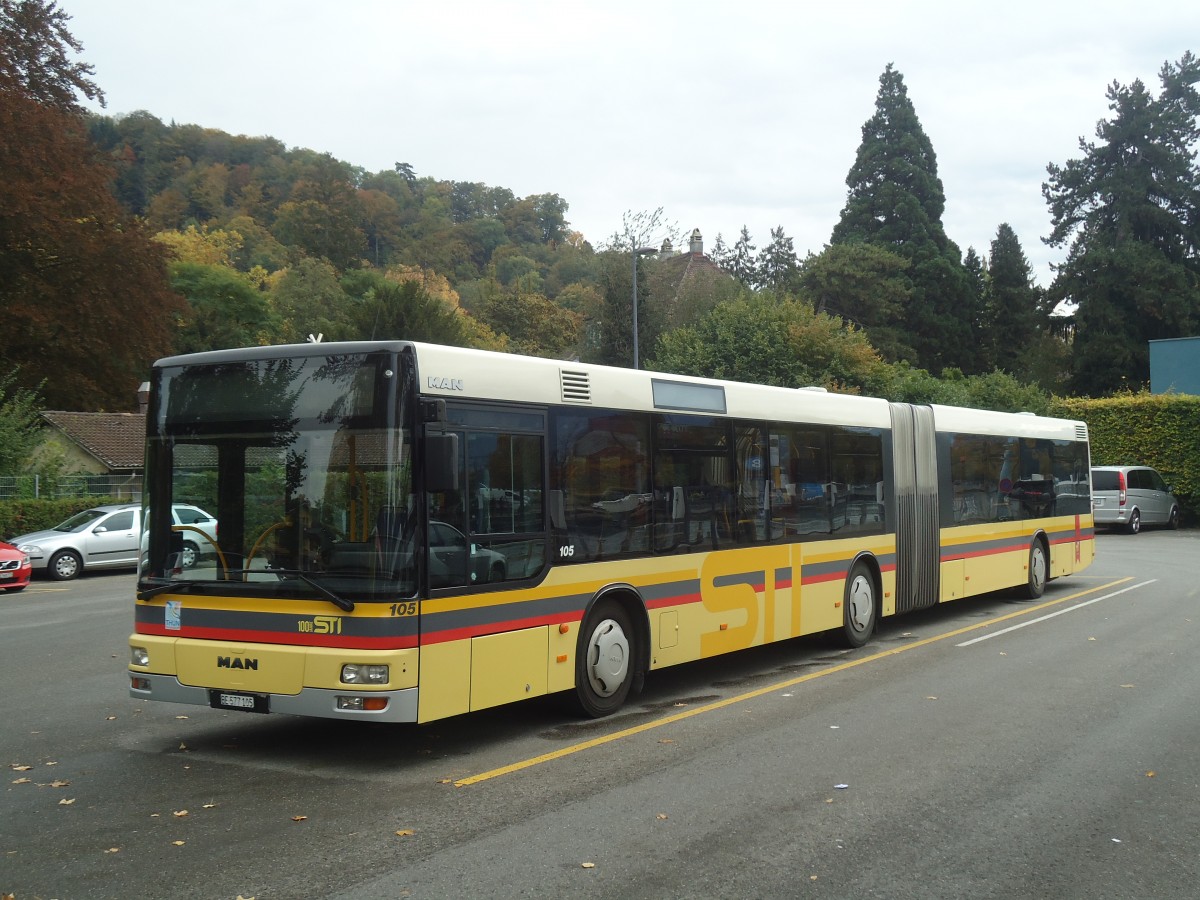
column 407, row 531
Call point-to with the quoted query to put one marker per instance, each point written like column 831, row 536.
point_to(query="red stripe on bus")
column 348, row 642
column 822, row 578
column 471, row 631
column 677, row 600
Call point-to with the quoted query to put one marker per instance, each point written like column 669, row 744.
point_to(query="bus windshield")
column 304, row 463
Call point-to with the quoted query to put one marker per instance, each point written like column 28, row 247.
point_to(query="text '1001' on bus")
column 408, row 531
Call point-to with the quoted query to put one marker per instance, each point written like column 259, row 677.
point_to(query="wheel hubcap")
column 1037, row 568
column 862, row 603
column 608, row 658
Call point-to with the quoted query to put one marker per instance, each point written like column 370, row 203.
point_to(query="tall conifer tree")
column 1130, row 211
column 896, row 201
column 1012, row 305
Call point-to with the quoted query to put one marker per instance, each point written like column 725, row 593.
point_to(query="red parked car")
column 14, row 568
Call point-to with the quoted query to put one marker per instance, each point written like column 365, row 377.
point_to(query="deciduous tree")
column 87, row 306
column 20, row 421
column 36, row 56
column 767, row 340
column 866, row 286
column 224, row 309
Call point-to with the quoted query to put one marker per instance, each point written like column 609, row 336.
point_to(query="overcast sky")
column 723, row 114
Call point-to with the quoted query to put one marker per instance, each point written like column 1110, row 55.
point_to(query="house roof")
column 116, row 439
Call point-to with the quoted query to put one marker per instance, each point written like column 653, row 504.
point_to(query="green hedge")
column 1159, row 430
column 19, row 517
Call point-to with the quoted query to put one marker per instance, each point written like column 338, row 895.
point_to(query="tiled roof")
column 686, row 267
column 116, row 439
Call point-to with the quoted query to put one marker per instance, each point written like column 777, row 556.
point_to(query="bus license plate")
column 227, row 700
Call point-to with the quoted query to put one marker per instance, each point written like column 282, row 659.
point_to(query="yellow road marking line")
column 777, row 686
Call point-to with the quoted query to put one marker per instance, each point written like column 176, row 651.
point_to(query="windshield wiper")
column 182, row 585
column 147, row 593
column 336, row 599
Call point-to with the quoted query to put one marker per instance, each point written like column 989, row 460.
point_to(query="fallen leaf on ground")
column 178, row 843
column 661, row 816
column 1151, row 774
column 405, row 832
column 587, row 865
column 65, row 802
column 299, row 818
column 59, row 783
column 113, row 850
column 180, row 813
column 23, row 780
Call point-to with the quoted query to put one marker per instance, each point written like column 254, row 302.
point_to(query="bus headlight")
column 139, row 656
column 361, row 673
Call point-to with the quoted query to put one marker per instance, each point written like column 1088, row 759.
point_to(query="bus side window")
column 599, row 485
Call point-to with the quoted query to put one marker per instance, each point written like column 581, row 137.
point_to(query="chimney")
column 143, row 397
column 697, row 243
column 666, row 250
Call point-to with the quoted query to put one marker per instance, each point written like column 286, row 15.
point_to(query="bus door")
column 918, row 537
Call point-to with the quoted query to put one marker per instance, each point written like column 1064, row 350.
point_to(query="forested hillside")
column 125, row 238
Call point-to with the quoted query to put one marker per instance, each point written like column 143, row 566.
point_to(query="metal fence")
column 53, row 487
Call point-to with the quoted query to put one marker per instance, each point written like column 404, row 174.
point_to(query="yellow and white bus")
column 409, row 531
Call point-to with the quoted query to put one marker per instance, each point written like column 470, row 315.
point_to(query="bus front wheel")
column 604, row 659
column 861, row 606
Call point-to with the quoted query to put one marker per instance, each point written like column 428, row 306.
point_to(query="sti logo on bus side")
column 236, row 662
column 444, row 384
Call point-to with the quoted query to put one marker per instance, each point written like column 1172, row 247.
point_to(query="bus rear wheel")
column 604, row 659
column 1035, row 584
column 860, row 605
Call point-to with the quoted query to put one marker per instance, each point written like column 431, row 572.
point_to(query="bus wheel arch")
column 1038, row 567
column 861, row 600
column 611, row 653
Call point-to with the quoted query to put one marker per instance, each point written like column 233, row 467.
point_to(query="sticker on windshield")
column 174, row 609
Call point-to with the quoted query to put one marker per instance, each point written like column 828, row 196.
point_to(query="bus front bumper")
column 397, row 706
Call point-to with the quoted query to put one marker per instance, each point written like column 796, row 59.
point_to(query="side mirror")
column 441, row 462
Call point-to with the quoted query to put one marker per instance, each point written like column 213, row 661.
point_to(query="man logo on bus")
column 445, row 384
column 236, row 662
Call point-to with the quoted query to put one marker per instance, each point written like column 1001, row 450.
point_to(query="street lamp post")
column 638, row 251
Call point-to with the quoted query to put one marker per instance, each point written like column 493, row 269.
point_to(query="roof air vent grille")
column 576, row 386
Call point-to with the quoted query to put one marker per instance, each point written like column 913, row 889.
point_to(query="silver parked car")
column 108, row 537
column 1129, row 497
